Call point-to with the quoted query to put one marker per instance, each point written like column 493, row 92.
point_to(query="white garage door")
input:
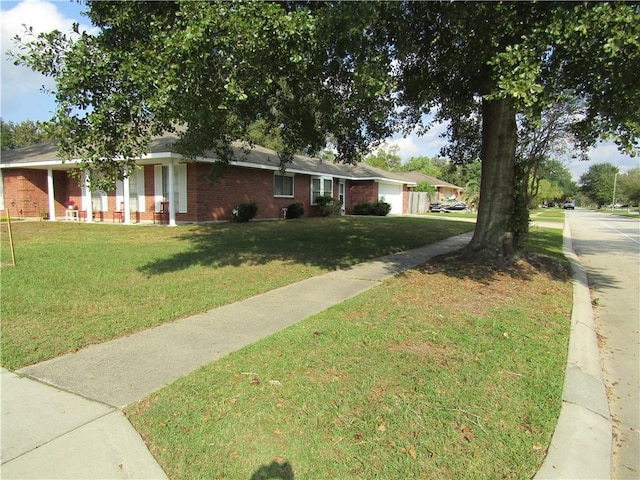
column 392, row 194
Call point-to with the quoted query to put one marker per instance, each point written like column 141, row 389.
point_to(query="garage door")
column 392, row 194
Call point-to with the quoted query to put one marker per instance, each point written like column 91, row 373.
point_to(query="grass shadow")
column 330, row 244
column 275, row 470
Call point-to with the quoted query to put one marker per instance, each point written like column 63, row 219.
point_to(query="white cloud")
column 604, row 152
column 414, row 145
column 21, row 87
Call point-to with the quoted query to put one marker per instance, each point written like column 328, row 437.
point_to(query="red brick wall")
column 239, row 185
column 25, row 191
column 357, row 192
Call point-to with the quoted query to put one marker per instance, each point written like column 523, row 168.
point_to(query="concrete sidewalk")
column 64, row 420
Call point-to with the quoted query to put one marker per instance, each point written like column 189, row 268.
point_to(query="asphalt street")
column 608, row 246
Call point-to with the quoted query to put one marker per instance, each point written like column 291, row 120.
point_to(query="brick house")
column 33, row 181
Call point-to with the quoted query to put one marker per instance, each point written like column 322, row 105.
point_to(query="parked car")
column 453, row 206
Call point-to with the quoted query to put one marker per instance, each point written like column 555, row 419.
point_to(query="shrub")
column 327, row 205
column 295, row 210
column 246, row 211
column 363, row 208
column 379, row 208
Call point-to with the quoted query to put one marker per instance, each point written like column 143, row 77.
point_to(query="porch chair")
column 119, row 214
column 164, row 211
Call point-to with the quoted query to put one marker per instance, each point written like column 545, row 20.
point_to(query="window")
column 320, row 186
column 282, row 186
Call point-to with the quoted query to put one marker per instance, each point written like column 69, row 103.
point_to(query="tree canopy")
column 352, row 71
column 598, row 183
column 22, row 134
column 385, row 159
column 630, row 186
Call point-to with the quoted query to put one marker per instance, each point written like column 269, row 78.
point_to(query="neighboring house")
column 444, row 190
column 419, row 202
column 34, row 180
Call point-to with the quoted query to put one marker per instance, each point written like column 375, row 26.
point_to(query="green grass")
column 633, row 212
column 78, row 284
column 451, row 214
column 447, row 371
column 548, row 214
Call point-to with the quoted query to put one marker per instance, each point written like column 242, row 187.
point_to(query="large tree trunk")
column 492, row 240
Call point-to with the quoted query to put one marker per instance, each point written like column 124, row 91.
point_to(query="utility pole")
column 613, row 201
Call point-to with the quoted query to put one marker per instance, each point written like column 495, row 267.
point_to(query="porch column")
column 126, row 216
column 171, row 194
column 51, row 196
column 87, row 197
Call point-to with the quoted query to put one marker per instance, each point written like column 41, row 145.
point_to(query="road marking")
column 621, row 233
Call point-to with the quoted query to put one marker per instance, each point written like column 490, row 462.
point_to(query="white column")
column 87, row 199
column 125, row 193
column 51, row 196
column 171, row 194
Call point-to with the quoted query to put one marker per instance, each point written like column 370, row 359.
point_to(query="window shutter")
column 157, row 187
column 140, row 189
column 119, row 195
column 181, row 187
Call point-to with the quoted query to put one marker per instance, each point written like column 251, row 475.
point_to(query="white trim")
column 51, row 194
column 171, row 194
column 322, row 179
column 87, row 204
column 126, row 201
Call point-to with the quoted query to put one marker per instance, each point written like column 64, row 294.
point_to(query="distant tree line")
column 22, row 134
column 604, row 185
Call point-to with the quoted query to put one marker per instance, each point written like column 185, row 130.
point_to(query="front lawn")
column 78, row 284
column 448, row 371
column 548, row 214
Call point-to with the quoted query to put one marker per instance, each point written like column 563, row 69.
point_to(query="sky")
column 22, row 97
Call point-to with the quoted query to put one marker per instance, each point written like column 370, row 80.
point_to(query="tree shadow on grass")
column 330, row 245
column 462, row 265
column 218, row 246
column 275, row 470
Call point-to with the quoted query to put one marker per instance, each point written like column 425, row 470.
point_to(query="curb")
column 581, row 444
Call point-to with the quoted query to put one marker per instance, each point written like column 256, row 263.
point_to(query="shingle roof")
column 418, row 177
column 257, row 157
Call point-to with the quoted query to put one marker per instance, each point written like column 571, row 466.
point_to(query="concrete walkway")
column 61, row 418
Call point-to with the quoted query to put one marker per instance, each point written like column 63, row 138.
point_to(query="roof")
column 45, row 155
column 418, row 177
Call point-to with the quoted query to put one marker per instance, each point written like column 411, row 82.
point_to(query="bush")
column 246, row 211
column 328, row 206
column 379, row 208
column 295, row 210
column 363, row 208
